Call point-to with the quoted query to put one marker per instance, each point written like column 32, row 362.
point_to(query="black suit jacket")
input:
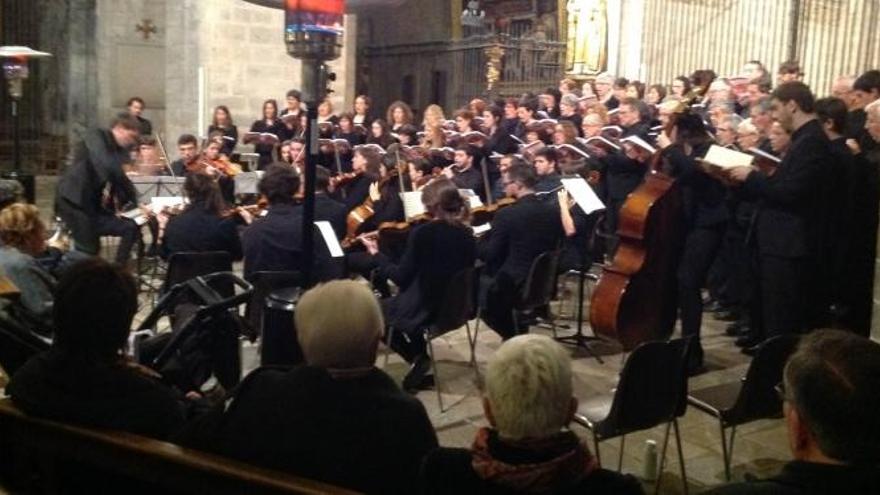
column 198, row 230
column 96, row 163
column 519, row 234
column 363, row 432
column 273, row 242
column 330, row 210
column 789, row 222
column 623, row 174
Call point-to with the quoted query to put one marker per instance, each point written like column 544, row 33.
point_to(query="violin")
column 342, row 180
column 225, row 167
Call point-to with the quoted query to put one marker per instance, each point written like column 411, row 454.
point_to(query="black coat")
column 807, row 478
column 789, row 223
column 56, row 386
column 450, row 471
column 363, row 432
column 520, row 233
column 273, row 242
column 434, row 253
column 198, row 230
column 97, row 162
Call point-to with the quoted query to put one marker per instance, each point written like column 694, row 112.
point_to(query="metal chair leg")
column 684, row 481
column 388, row 344
column 430, row 349
column 724, row 453
column 662, row 460
column 620, row 457
column 515, row 322
column 596, row 447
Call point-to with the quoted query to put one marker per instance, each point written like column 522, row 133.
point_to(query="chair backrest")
column 650, row 389
column 266, row 282
column 457, row 306
column 187, row 265
column 758, row 398
column 540, row 284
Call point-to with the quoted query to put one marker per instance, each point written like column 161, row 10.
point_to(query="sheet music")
column 727, row 158
column 412, row 203
column 135, row 214
column 482, row 229
column 330, row 239
column 471, row 197
column 157, row 203
column 583, row 194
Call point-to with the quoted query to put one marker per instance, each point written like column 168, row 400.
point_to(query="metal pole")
column 16, row 137
column 313, row 87
column 794, row 15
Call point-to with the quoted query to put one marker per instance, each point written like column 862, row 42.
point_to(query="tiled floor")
column 761, row 447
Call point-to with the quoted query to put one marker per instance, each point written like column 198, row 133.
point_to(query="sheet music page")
column 471, row 197
column 159, row 202
column 412, row 203
column 482, row 229
column 330, row 239
column 727, row 158
column 583, row 194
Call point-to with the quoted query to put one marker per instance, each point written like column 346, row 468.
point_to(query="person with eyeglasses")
column 832, row 415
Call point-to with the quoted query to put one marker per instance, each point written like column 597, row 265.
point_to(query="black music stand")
column 151, row 186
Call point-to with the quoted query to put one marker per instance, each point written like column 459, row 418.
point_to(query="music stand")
column 151, row 186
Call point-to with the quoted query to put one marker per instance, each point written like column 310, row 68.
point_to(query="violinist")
column 705, row 218
column 204, row 225
column 520, row 233
column 297, row 154
column 435, row 251
column 420, row 173
column 222, row 123
column 365, row 171
column 148, row 162
column 327, row 208
column 408, row 135
column 216, row 165
column 463, row 172
column 188, row 150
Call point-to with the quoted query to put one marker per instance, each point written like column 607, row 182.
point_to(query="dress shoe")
column 726, row 315
column 416, row 376
column 748, row 340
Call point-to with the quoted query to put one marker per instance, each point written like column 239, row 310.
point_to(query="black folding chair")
column 17, row 342
column 539, row 287
column 266, row 282
column 187, row 265
column 749, row 399
column 454, row 311
column 650, row 393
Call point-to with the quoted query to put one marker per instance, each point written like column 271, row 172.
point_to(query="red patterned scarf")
column 573, row 463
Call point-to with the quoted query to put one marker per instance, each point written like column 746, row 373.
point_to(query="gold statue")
column 587, row 44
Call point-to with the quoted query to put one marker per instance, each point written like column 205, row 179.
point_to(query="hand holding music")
column 448, row 173
column 565, row 199
column 739, row 174
column 663, row 140
column 853, row 146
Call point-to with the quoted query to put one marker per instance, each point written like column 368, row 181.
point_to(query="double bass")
column 636, row 297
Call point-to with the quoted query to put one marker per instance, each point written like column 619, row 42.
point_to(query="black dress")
column 265, row 150
column 230, row 137
column 434, row 253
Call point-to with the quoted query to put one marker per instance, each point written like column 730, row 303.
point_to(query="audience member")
column 832, row 414
column 24, row 237
column 336, row 419
column 527, row 448
column 85, row 377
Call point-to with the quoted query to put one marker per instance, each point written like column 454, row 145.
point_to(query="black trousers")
column 782, row 291
column 700, row 250
column 497, row 298
column 87, row 228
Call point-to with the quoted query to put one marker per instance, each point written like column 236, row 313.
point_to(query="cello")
column 636, row 299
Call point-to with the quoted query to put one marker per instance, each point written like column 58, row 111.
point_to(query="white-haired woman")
column 528, row 448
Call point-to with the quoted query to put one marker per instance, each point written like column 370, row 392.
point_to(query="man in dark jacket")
column 788, row 224
column 84, row 377
column 527, row 448
column 337, row 419
column 82, row 196
column 519, row 234
column 832, row 413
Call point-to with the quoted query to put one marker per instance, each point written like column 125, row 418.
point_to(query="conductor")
column 94, row 185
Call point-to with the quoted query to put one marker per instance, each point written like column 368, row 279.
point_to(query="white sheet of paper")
column 641, row 143
column 159, row 202
column 727, row 158
column 412, row 203
column 330, row 239
column 471, row 197
column 583, row 194
column 482, row 229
